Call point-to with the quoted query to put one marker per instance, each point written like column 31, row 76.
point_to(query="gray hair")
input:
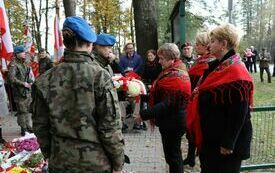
column 169, row 51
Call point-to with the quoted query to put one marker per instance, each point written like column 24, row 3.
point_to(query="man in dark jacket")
column 254, row 58
column 44, row 61
column 273, row 75
column 131, row 61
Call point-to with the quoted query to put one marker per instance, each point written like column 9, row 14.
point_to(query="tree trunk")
column 36, row 21
column 273, row 33
column 84, row 9
column 27, row 10
column 47, row 24
column 261, row 22
column 70, row 7
column 145, row 25
column 131, row 23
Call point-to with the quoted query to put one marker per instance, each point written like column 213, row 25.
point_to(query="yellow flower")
column 18, row 170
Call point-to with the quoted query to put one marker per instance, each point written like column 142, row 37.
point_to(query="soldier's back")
column 70, row 91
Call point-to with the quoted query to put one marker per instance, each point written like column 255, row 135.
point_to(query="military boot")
column 29, row 129
column 2, row 141
column 23, row 130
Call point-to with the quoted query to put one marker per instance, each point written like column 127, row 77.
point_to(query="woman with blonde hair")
column 195, row 72
column 218, row 115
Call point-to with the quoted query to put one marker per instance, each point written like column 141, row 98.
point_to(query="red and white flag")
column 6, row 48
column 58, row 44
column 29, row 45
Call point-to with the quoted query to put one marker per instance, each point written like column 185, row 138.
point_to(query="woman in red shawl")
column 167, row 101
column 195, row 72
column 218, row 115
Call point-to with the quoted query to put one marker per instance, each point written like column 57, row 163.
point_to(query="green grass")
column 264, row 94
column 263, row 143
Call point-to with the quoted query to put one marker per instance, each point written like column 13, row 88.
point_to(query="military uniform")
column 76, row 117
column 104, row 63
column 19, row 74
column 188, row 61
column 44, row 64
column 264, row 65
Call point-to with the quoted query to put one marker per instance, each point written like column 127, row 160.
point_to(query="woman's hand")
column 225, row 151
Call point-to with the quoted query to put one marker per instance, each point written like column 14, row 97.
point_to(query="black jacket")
column 151, row 72
column 225, row 118
column 225, row 123
column 166, row 116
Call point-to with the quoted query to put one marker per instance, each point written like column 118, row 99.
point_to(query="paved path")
column 143, row 147
column 145, row 151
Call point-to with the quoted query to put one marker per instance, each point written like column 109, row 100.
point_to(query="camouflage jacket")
column 19, row 74
column 265, row 59
column 103, row 62
column 76, row 117
column 44, row 64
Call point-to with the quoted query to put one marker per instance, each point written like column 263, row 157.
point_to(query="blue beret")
column 19, row 49
column 81, row 28
column 105, row 40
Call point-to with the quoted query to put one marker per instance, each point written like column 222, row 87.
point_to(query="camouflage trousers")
column 23, row 113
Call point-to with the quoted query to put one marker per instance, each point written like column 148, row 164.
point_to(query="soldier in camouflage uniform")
column 103, row 51
column 187, row 56
column 20, row 81
column 44, row 61
column 76, row 116
column 104, row 56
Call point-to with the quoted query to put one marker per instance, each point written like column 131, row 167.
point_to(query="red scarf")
column 223, row 77
column 198, row 68
column 173, row 84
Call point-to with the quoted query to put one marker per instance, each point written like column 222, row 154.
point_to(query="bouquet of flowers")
column 30, row 144
column 7, row 150
column 16, row 169
column 130, row 84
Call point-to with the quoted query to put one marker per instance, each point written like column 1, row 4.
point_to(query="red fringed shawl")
column 224, row 77
column 172, row 84
column 197, row 69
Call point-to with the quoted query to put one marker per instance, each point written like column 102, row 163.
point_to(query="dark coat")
column 225, row 124
column 151, row 72
column 225, row 118
column 166, row 117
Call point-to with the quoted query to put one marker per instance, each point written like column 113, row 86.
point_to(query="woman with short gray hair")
column 167, row 103
column 169, row 50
